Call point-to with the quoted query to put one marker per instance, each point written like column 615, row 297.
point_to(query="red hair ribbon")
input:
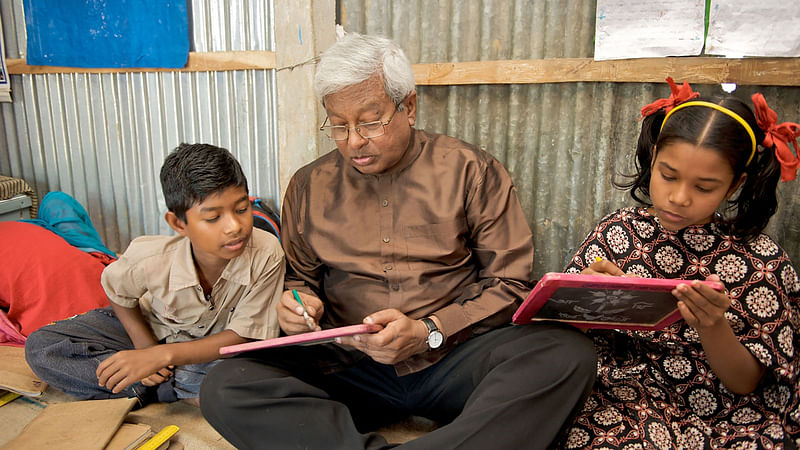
column 680, row 94
column 779, row 136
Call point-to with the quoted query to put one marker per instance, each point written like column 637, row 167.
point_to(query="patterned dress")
column 656, row 389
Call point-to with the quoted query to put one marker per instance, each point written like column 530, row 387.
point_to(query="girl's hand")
column 702, row 307
column 603, row 267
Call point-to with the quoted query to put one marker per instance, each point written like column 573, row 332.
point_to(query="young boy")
column 175, row 300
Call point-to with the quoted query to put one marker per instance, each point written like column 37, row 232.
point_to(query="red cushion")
column 43, row 278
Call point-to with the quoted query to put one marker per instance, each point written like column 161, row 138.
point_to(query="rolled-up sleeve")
column 121, row 282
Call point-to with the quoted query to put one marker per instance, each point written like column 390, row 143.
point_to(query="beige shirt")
column 158, row 274
column 442, row 233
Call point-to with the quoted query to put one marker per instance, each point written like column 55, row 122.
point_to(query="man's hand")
column 400, row 339
column 603, row 267
column 702, row 307
column 124, row 368
column 290, row 313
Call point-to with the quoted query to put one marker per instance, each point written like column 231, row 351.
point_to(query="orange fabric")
column 680, row 94
column 44, row 279
column 778, row 136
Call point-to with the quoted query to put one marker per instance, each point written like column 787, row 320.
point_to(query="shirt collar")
column 412, row 152
column 183, row 272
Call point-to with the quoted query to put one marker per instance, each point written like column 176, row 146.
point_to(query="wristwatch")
column 435, row 336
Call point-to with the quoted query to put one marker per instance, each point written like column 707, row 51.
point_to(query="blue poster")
column 107, row 33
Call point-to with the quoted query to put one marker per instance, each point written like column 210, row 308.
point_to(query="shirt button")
column 395, row 287
column 387, row 268
column 385, row 203
column 386, row 239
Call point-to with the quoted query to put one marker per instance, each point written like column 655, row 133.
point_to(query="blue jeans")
column 66, row 354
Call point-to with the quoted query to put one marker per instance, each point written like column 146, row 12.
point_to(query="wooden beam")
column 198, row 62
column 702, row 70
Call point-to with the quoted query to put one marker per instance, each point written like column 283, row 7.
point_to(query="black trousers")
column 514, row 387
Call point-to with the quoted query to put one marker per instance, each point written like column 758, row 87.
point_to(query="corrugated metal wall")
column 102, row 137
column 560, row 142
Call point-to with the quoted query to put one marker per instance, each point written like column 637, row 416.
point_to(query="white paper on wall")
column 740, row 28
column 648, row 29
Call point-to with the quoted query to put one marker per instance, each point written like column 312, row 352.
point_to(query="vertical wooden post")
column 303, row 30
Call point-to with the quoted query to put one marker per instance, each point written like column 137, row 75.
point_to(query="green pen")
column 309, row 320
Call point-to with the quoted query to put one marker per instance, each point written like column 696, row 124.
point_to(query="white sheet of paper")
column 648, row 29
column 739, row 28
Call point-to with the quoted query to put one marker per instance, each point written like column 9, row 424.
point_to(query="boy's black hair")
column 750, row 211
column 193, row 172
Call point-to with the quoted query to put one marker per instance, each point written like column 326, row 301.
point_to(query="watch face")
column 435, row 339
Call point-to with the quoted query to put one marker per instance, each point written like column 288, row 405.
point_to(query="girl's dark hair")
column 193, row 172
column 746, row 215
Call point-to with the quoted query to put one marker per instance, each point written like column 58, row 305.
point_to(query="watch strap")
column 430, row 324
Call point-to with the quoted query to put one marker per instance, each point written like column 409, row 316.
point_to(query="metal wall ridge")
column 102, row 137
column 561, row 142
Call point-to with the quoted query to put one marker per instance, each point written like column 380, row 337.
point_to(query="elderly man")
column 422, row 234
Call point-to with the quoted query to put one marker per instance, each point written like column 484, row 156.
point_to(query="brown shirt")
column 442, row 233
column 158, row 274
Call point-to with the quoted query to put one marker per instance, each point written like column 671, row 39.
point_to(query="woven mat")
column 9, row 187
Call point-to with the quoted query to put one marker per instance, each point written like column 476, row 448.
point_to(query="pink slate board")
column 313, row 337
column 596, row 301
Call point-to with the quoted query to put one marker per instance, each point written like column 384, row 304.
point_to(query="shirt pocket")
column 435, row 245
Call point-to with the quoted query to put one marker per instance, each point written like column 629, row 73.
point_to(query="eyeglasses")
column 366, row 130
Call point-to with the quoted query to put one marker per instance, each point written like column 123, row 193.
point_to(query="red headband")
column 778, row 136
column 679, row 95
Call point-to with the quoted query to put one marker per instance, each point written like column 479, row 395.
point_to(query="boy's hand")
column 702, row 307
column 158, row 377
column 401, row 337
column 124, row 368
column 290, row 313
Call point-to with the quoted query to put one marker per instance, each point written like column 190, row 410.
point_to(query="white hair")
column 356, row 58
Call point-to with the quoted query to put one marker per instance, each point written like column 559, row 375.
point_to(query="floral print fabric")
column 655, row 389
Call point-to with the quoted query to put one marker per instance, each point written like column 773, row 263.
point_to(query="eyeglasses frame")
column 328, row 133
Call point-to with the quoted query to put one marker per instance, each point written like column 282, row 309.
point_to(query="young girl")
column 726, row 375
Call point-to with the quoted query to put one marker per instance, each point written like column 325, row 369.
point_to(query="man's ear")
column 735, row 186
column 410, row 105
column 175, row 223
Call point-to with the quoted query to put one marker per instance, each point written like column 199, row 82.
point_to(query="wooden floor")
column 195, row 433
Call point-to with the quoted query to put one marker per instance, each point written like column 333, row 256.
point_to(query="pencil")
column 309, row 320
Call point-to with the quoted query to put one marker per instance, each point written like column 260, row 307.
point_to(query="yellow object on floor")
column 8, row 397
column 160, row 437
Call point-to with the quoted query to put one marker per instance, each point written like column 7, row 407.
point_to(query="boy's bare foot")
column 192, row 401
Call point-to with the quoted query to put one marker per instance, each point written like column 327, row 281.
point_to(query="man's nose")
column 355, row 140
